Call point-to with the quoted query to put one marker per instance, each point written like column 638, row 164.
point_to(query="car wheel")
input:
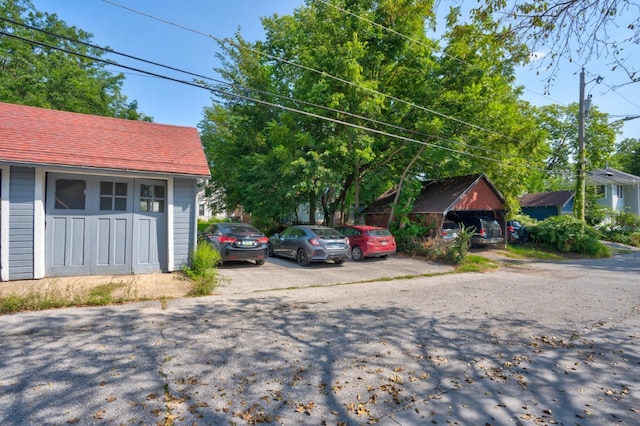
column 339, row 261
column 302, row 258
column 260, row 262
column 356, row 253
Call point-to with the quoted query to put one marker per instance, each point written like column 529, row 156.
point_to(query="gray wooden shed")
column 89, row 195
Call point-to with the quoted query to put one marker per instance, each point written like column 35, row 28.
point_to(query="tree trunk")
column 404, row 175
column 312, row 208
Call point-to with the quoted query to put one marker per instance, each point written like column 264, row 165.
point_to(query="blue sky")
column 191, row 49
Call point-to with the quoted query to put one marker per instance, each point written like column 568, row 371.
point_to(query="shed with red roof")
column 89, row 195
column 445, row 199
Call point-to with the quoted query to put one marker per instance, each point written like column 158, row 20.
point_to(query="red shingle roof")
column 40, row 136
column 442, row 196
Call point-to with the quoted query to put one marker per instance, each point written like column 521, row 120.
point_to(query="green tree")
column 496, row 132
column 561, row 126
column 627, row 156
column 33, row 71
column 369, row 107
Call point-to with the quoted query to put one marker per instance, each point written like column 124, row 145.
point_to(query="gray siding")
column 21, row 223
column 184, row 222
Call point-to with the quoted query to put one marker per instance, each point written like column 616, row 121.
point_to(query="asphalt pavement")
column 530, row 343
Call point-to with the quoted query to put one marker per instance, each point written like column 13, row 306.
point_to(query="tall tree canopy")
column 34, row 71
column 627, row 156
column 346, row 99
column 561, row 126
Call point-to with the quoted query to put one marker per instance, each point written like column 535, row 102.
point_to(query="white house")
column 618, row 190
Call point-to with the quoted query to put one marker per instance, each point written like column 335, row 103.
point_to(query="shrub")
column 456, row 253
column 567, row 234
column 624, row 228
column 410, row 238
column 203, row 269
column 414, row 240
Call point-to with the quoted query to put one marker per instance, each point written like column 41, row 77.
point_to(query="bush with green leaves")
column 624, row 227
column 567, row 234
column 456, row 252
column 416, row 239
column 203, row 269
column 410, row 238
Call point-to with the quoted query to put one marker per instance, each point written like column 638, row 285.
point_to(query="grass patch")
column 475, row 263
column 532, row 252
column 53, row 296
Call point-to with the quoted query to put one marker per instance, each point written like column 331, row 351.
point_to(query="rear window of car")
column 379, row 232
column 240, row 229
column 327, row 233
column 490, row 224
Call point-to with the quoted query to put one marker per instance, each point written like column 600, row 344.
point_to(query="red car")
column 368, row 241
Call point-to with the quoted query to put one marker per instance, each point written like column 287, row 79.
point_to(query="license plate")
column 246, row 243
column 384, row 243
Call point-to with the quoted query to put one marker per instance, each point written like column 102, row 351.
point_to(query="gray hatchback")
column 310, row 243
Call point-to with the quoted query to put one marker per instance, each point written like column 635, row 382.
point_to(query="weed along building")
column 88, row 195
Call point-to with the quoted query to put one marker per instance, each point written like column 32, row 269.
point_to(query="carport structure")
column 446, row 199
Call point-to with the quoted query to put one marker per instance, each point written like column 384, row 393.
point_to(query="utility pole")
column 581, row 181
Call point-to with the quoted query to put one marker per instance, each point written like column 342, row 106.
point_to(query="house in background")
column 452, row 198
column 541, row 205
column 206, row 202
column 617, row 190
column 88, row 195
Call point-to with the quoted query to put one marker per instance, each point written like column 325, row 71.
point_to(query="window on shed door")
column 619, row 191
column 152, row 198
column 70, row 194
column 113, row 196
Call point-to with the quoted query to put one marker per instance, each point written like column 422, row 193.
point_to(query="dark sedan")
column 310, row 243
column 238, row 241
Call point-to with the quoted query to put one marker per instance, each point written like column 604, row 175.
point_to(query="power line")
column 414, row 132
column 248, row 98
column 322, row 73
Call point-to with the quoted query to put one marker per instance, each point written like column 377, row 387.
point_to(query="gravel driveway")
column 531, row 343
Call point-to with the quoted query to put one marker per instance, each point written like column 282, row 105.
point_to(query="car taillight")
column 314, row 242
column 510, row 228
column 263, row 240
column 225, row 240
column 482, row 233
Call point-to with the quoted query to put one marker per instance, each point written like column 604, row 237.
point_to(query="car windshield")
column 327, row 233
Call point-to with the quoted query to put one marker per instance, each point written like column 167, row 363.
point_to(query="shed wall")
column 21, row 219
column 540, row 213
column 184, row 220
column 480, row 197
